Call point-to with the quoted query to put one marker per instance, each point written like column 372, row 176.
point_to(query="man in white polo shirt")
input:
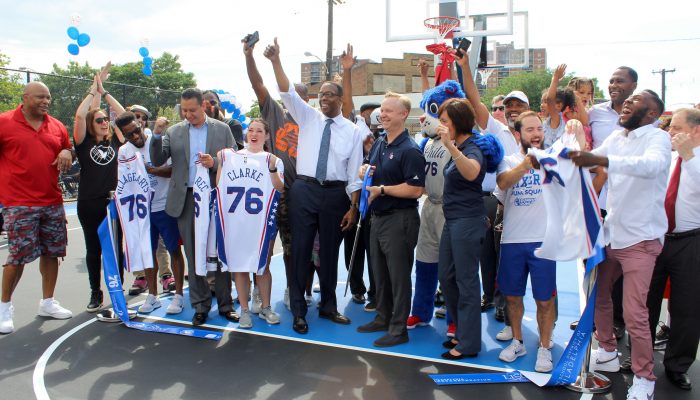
column 638, row 159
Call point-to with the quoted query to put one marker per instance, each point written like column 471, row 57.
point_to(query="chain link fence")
column 67, row 93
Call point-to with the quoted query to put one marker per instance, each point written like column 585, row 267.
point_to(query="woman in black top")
column 465, row 227
column 96, row 145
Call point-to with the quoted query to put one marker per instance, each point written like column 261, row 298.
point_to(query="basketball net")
column 443, row 26
column 485, row 74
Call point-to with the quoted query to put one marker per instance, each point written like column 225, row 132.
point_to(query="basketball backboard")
column 404, row 18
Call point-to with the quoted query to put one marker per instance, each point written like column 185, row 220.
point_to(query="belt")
column 381, row 213
column 686, row 234
column 486, row 194
column 324, row 183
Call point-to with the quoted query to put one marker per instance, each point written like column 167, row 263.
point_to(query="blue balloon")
column 241, row 117
column 148, row 61
column 236, row 113
column 73, row 32
column 147, row 70
column 143, row 51
column 244, row 125
column 73, row 49
column 83, row 39
column 230, row 108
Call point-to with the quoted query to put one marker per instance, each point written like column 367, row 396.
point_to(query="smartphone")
column 251, row 39
column 463, row 46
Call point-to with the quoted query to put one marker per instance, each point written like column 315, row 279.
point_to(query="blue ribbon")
column 116, row 293
column 364, row 194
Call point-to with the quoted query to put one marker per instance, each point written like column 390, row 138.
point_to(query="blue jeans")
column 458, row 270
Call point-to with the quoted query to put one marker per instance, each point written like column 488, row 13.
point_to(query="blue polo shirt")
column 400, row 161
column 462, row 198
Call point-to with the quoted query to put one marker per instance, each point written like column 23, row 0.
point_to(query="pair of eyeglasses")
column 498, row 108
column 212, row 102
column 134, row 132
column 100, row 120
column 326, row 94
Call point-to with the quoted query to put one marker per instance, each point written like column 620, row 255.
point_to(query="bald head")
column 36, row 100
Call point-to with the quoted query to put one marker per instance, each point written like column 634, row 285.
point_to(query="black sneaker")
column 662, row 337
column 371, row 306
column 439, row 299
column 95, row 301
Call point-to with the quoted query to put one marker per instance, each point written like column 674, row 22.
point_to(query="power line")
column 663, row 73
column 625, row 42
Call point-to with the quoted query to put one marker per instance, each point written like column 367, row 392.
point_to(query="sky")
column 592, row 37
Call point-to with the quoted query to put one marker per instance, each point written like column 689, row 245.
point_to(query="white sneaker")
column 246, row 321
column 151, row 303
column 513, row 351
column 270, row 316
column 317, row 288
column 257, row 302
column 641, row 389
column 606, row 361
column 7, row 311
column 176, row 304
column 505, row 334
column 51, row 308
column 544, row 360
column 286, row 299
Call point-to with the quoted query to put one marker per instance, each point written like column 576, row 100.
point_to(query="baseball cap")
column 140, row 109
column 516, row 94
column 374, row 121
column 367, row 106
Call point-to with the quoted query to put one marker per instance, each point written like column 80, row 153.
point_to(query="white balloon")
column 75, row 20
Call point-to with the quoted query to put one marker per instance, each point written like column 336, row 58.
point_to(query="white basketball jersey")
column 132, row 198
column 436, row 157
column 247, row 203
column 204, row 224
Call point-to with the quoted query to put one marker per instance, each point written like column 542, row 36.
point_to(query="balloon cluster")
column 147, row 61
column 81, row 39
column 233, row 107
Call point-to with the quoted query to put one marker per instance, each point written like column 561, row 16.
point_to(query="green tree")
column 532, row 84
column 11, row 87
column 160, row 90
column 254, row 111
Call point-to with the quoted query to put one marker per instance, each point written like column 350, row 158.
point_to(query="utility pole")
column 663, row 73
column 329, row 47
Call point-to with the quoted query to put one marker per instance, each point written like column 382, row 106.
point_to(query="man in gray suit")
column 196, row 138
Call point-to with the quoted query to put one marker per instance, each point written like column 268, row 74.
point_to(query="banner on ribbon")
column 116, row 293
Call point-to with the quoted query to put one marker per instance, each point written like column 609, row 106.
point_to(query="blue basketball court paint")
column 425, row 342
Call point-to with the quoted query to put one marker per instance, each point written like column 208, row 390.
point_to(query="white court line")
column 38, row 379
column 586, row 396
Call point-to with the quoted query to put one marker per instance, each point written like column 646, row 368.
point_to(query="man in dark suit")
column 195, row 138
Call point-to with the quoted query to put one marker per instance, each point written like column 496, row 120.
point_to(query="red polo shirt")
column 27, row 177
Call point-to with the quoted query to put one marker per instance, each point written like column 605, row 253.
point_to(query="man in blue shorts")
column 520, row 183
column 162, row 224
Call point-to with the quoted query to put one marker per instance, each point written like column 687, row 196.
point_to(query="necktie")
column 322, row 163
column 671, row 194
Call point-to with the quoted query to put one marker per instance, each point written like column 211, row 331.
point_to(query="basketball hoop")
column 443, row 25
column 485, row 74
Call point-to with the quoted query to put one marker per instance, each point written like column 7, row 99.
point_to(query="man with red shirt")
column 33, row 148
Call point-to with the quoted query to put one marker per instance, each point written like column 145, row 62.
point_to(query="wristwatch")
column 381, row 190
column 355, row 206
column 273, row 170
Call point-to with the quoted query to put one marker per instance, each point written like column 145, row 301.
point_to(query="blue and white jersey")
column 247, row 203
column 204, row 222
column 132, row 198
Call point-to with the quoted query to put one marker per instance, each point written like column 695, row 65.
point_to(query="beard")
column 634, row 121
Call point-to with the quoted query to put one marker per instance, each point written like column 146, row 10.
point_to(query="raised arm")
column 508, row 178
column 347, row 60
column 482, row 113
column 272, row 52
column 423, row 67
column 254, row 76
column 160, row 143
column 555, row 118
column 79, row 122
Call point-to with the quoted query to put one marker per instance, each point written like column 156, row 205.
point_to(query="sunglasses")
column 498, row 108
column 100, row 120
column 133, row 133
column 143, row 117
